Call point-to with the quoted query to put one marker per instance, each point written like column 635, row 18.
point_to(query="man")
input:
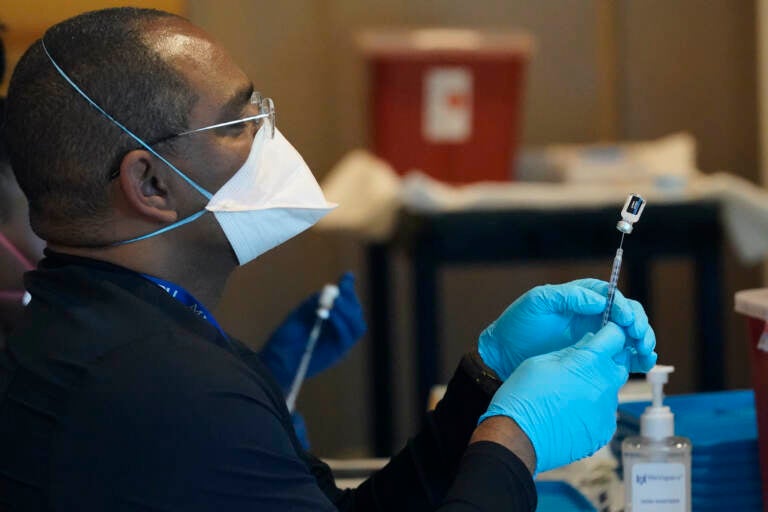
column 152, row 170
column 21, row 249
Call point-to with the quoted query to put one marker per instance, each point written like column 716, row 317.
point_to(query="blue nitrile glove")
column 566, row 401
column 553, row 317
column 345, row 325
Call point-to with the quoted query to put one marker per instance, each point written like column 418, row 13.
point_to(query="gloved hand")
column 343, row 328
column 553, row 317
column 566, row 401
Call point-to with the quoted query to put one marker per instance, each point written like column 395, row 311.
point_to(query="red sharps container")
column 447, row 101
column 754, row 305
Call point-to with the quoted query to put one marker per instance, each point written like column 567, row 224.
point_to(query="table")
column 435, row 240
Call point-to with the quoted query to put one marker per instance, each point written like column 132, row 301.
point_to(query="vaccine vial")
column 630, row 213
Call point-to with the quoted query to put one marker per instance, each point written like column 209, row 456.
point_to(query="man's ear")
column 145, row 186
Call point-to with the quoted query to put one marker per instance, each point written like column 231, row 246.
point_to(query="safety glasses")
column 266, row 109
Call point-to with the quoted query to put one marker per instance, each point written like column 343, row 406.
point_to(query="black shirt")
column 114, row 396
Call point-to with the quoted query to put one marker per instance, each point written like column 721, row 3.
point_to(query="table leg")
column 709, row 325
column 426, row 321
column 381, row 352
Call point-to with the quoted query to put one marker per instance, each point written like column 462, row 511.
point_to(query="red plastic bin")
column 447, row 101
column 754, row 305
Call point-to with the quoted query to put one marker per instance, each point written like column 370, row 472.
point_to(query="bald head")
column 64, row 152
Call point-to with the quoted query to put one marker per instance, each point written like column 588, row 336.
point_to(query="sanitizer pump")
column 657, row 464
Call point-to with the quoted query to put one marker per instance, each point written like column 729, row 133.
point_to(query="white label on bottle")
column 447, row 115
column 658, row 487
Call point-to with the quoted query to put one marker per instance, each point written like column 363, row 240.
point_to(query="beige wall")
column 637, row 68
column 27, row 20
column 301, row 52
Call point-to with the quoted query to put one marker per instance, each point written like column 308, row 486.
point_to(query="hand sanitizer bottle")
column 657, row 464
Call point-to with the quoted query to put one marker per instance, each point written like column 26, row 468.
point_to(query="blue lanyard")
column 186, row 298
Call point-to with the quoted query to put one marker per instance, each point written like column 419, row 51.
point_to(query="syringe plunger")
column 327, row 296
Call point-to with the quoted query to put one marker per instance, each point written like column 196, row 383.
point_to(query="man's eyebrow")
column 234, row 105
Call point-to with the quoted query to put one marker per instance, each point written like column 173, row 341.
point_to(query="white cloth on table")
column 370, row 195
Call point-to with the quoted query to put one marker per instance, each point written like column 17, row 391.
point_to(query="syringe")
column 614, row 281
column 327, row 296
column 630, row 214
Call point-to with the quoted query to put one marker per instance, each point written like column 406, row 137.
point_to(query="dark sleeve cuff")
column 419, row 477
column 438, row 448
column 466, row 398
column 491, row 477
column 480, row 373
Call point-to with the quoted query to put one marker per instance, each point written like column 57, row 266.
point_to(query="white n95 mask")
column 270, row 199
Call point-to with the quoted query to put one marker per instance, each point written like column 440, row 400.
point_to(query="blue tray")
column 710, row 420
column 555, row 496
column 739, row 505
column 726, row 474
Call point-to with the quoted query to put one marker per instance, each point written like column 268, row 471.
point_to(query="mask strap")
column 16, row 253
column 66, row 77
column 169, row 227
